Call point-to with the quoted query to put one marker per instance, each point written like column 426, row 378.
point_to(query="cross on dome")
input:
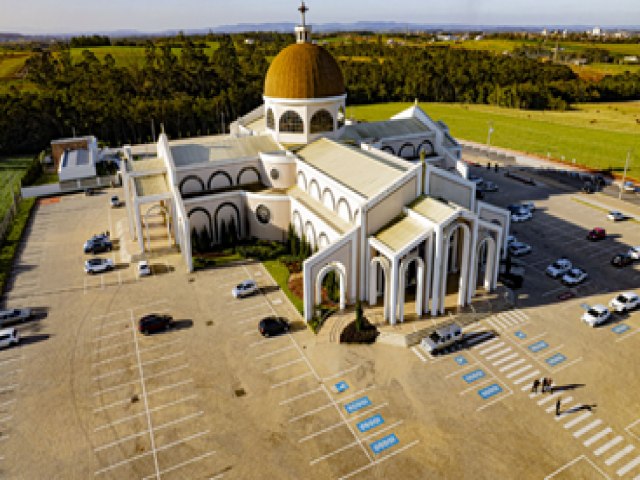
column 303, row 9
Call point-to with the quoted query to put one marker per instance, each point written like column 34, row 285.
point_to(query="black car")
column 621, row 260
column 97, row 246
column 154, row 323
column 270, row 326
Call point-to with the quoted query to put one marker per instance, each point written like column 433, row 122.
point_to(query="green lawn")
column 11, row 172
column 596, row 135
column 12, row 63
column 280, row 274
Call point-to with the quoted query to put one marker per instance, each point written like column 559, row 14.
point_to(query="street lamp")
column 489, row 137
column 624, row 175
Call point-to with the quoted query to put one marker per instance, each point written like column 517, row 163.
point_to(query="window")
column 263, row 214
column 341, row 117
column 291, row 122
column 321, row 121
column 271, row 121
column 275, row 174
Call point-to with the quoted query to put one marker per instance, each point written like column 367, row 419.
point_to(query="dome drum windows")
column 321, row 121
column 291, row 122
column 271, row 120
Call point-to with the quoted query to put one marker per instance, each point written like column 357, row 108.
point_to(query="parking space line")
column 498, row 353
column 458, row 372
column 111, row 347
column 8, row 388
column 6, row 419
column 122, row 462
column 284, row 365
column 382, row 430
column 492, row 347
column 270, row 354
column 632, row 464
column 167, row 372
column 182, row 440
column 155, row 347
column 186, row 462
column 291, row 380
column 120, row 321
column 110, row 360
column 617, row 456
column 575, row 460
column 9, row 360
column 302, row 395
column 120, row 440
column 577, row 420
column 416, row 350
column 340, row 374
column 115, row 387
column 380, row 460
column 8, row 402
column 310, row 412
column 247, row 309
column 511, row 365
column 488, row 379
column 111, row 335
column 564, row 402
column 597, row 436
column 519, row 371
column 169, row 387
column 504, row 359
column 335, row 452
column 110, row 374
column 320, row 432
column 368, row 411
column 111, row 405
column 586, row 428
column 579, row 359
column 498, row 399
column 607, row 446
column 249, row 320
column 162, row 359
column 628, row 335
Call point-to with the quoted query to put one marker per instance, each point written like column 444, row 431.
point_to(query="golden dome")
column 304, row 70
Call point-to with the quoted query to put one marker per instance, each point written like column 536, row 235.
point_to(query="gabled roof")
column 364, row 172
column 385, row 129
column 401, row 233
column 434, row 209
column 212, row 149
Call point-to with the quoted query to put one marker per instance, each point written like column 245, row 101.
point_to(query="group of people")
column 546, row 385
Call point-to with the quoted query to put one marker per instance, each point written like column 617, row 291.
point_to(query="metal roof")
column 219, row 148
column 433, row 208
column 385, row 129
column 151, row 185
column 401, row 233
column 366, row 173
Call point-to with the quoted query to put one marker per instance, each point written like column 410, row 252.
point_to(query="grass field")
column 11, row 64
column 11, row 172
column 596, row 135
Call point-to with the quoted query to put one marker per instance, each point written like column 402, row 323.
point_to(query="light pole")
column 489, row 137
column 624, row 174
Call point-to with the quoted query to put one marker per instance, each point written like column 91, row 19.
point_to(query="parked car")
column 475, row 179
column 575, row 276
column 442, row 338
column 596, row 315
column 616, row 216
column 511, row 239
column 517, row 249
column 634, row 253
column 529, row 206
column 521, row 216
column 488, row 186
column 97, row 265
column 597, row 234
column 629, row 187
column 8, row 337
column 14, row 316
column 621, row 260
column 154, row 323
column 244, row 289
column 98, row 245
column 270, row 326
column 143, row 268
column 624, row 302
column 559, row 267
column 115, row 202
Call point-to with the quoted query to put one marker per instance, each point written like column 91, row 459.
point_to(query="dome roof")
column 304, row 70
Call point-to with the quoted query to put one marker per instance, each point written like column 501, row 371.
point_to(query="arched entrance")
column 157, row 210
column 484, row 264
column 455, row 267
column 379, row 269
column 404, row 270
column 341, row 271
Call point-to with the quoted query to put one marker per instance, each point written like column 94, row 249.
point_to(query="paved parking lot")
column 90, row 397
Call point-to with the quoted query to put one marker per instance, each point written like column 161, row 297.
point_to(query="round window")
column 263, row 214
column 275, row 174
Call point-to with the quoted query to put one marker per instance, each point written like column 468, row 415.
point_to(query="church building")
column 386, row 204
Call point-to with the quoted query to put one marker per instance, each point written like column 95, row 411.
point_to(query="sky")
column 70, row 16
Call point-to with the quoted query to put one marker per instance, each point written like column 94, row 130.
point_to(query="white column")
column 394, row 291
column 186, row 243
column 496, row 262
column 444, row 271
column 470, row 288
column 128, row 201
column 428, row 261
column 402, row 289
column 373, row 283
column 465, row 289
column 437, row 272
column 139, row 232
column 454, row 253
column 419, row 286
column 308, row 294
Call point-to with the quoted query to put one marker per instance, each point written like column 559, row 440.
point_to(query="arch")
column 314, row 190
column 161, row 210
column 356, row 216
column 186, row 179
column 404, row 266
column 219, row 173
column 323, row 241
column 384, row 264
column 302, row 181
column 462, row 283
column 217, row 221
column 341, row 117
column 426, row 147
column 487, row 243
column 310, row 234
column 407, row 151
column 296, row 220
column 344, row 210
column 248, row 169
column 321, row 121
column 271, row 119
column 388, row 149
column 209, row 225
column 342, row 273
column 328, row 199
column 291, row 122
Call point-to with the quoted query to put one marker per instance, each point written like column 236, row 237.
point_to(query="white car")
column 442, row 338
column 243, row 289
column 517, row 249
column 15, row 315
column 511, row 239
column 8, row 337
column 559, row 267
column 624, row 302
column 97, row 265
column 596, row 315
column 616, row 215
column 521, row 216
column 143, row 268
column 629, row 187
column 634, row 252
column 575, row 276
column 115, row 201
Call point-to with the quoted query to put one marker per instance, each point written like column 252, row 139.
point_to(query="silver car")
column 98, row 265
column 244, row 289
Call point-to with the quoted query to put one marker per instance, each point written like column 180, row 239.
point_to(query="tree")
column 359, row 316
column 205, row 239
column 222, row 235
column 195, row 240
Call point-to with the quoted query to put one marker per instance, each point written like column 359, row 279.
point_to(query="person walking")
column 544, row 385
column 536, row 384
column 558, row 407
column 549, row 385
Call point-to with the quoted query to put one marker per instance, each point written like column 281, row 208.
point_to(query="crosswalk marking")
column 597, row 436
column 565, row 415
column 553, row 407
column 608, row 445
column 492, row 347
column 528, row 376
column 498, row 353
column 519, row 371
column 508, row 319
column 632, row 464
column 614, row 458
column 548, row 399
column 577, row 420
column 509, row 366
column 584, row 430
column 504, row 359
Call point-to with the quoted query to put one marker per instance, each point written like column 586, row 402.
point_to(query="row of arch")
column 408, row 150
column 308, row 229
column 213, row 224
column 219, row 179
column 340, row 206
column 291, row 121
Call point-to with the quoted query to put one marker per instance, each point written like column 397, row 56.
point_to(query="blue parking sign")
column 357, row 404
column 341, row 387
column 490, row 391
column 473, row 376
column 539, row 345
column 620, row 328
column 384, row 443
column 369, row 423
column 460, row 360
column 555, row 359
column 520, row 334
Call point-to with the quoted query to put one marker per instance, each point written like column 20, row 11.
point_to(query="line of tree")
column 196, row 92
